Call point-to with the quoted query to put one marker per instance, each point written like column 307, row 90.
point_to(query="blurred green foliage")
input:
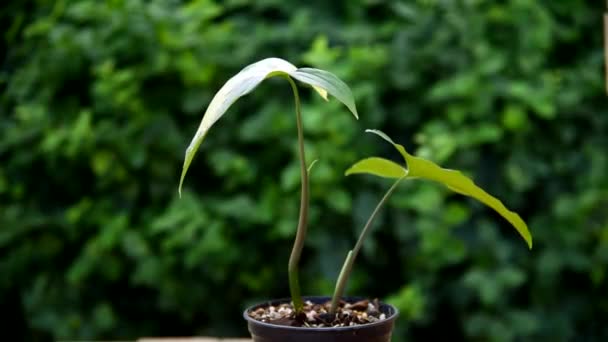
column 100, row 98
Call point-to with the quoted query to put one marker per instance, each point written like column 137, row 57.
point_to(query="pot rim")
column 392, row 317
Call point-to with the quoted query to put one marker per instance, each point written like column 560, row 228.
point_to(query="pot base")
column 379, row 331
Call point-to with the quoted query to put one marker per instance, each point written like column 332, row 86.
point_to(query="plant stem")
column 352, row 255
column 296, row 252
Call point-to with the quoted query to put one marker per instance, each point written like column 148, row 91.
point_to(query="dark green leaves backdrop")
column 99, row 100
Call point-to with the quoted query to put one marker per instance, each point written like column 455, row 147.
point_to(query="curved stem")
column 352, row 255
column 296, row 252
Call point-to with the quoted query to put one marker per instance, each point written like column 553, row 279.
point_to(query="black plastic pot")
column 374, row 332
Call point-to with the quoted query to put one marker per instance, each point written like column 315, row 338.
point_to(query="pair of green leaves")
column 249, row 78
column 454, row 180
column 324, row 82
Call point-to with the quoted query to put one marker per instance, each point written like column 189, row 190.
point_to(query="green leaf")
column 329, row 82
column 239, row 85
column 421, row 168
column 379, row 167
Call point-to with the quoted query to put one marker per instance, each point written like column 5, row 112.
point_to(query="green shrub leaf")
column 421, row 168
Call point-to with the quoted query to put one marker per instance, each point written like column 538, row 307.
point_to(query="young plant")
column 416, row 168
column 244, row 82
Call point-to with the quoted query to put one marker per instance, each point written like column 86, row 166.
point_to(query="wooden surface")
column 193, row 339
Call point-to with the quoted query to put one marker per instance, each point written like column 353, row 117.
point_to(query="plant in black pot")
column 334, row 318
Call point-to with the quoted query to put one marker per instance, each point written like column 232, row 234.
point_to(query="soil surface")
column 318, row 316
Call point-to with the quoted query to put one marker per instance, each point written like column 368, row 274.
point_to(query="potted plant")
column 334, row 318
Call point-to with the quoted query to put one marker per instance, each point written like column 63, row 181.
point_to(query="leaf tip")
column 351, row 170
column 353, row 109
column 523, row 230
column 185, row 167
column 179, row 188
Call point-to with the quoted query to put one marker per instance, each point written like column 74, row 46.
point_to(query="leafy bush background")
column 100, row 98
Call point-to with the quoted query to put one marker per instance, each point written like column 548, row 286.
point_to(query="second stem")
column 352, row 255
